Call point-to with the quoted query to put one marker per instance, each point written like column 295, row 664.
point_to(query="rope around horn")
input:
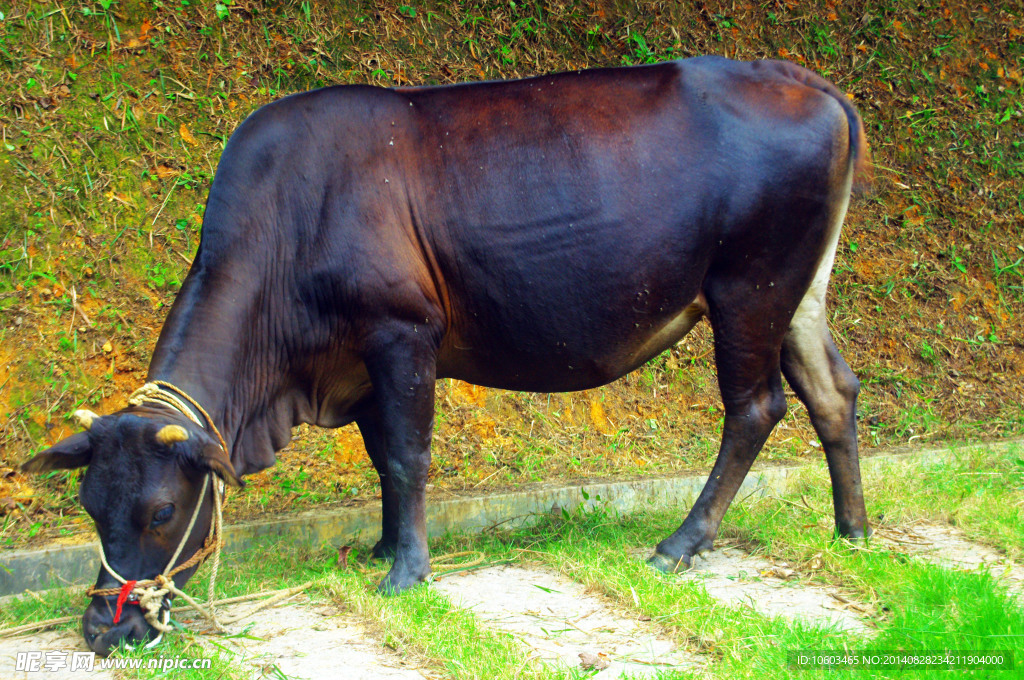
column 175, row 398
column 151, row 594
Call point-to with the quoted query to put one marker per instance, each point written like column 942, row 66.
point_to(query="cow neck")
column 208, row 349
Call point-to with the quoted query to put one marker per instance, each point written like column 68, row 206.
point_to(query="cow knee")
column 409, row 472
column 847, row 383
column 844, row 380
column 773, row 406
column 764, row 409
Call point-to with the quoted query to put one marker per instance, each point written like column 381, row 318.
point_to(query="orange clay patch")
column 349, row 446
column 465, row 393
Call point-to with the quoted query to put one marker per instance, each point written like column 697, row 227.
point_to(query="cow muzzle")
column 103, row 635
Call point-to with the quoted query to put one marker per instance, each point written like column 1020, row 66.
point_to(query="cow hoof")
column 668, row 565
column 857, row 533
column 392, row 585
column 399, row 581
column 383, row 551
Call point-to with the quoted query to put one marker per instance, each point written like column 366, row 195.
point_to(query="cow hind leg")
column 825, row 384
column 376, row 447
column 747, row 356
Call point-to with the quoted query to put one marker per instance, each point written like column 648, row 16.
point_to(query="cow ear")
column 214, row 458
column 73, row 452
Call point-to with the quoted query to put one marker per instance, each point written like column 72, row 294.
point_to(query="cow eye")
column 162, row 515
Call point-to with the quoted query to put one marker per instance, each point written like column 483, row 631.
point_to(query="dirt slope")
column 114, row 115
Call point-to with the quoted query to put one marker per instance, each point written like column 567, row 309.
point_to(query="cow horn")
column 168, row 434
column 85, row 417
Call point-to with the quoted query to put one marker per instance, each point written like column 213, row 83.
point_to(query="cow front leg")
column 747, row 358
column 402, row 374
column 376, row 447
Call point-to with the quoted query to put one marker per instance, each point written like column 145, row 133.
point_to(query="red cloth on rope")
column 122, row 597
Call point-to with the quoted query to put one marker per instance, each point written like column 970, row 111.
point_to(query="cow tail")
column 859, row 148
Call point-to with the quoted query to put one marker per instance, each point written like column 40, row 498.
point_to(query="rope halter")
column 151, row 595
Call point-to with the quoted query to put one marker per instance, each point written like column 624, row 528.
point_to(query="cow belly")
column 502, row 363
column 669, row 334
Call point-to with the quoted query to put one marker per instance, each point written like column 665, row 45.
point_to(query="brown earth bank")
column 114, row 115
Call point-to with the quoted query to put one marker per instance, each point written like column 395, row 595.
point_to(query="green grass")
column 46, row 604
column 920, row 606
column 978, row 489
column 916, row 606
column 924, row 607
column 221, row 665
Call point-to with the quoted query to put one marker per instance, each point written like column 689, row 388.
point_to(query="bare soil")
column 46, row 641
column 772, row 588
column 309, row 641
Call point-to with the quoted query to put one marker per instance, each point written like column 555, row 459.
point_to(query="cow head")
column 144, row 476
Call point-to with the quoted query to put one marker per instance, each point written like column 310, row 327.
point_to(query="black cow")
column 547, row 234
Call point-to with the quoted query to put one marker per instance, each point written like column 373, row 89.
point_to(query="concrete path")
column 950, row 547
column 773, row 589
column 306, row 641
column 560, row 623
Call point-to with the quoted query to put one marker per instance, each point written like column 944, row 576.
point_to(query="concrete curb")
column 66, row 565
